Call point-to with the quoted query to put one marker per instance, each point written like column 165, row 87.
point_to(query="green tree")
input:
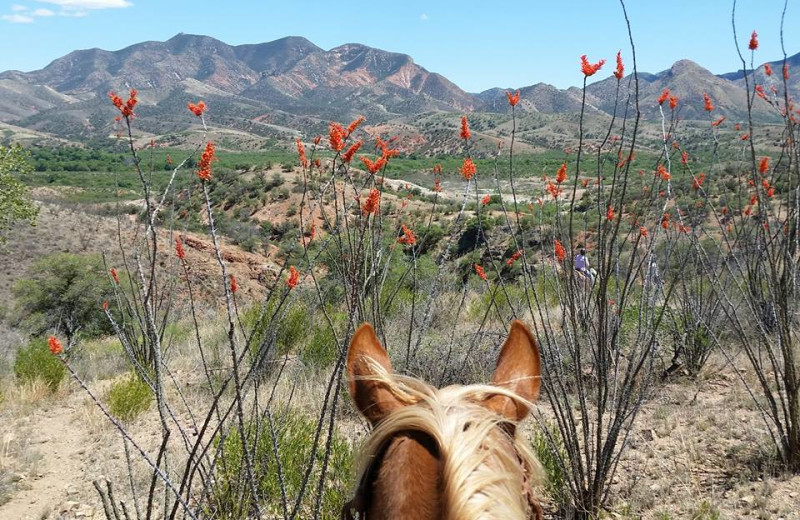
column 15, row 202
column 64, row 292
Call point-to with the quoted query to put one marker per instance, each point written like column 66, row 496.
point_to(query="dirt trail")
column 58, row 435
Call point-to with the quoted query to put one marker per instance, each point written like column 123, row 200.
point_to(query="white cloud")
column 72, row 13
column 16, row 18
column 423, row 17
column 89, row 4
column 42, row 12
column 18, row 8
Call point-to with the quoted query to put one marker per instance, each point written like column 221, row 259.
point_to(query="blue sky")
column 476, row 44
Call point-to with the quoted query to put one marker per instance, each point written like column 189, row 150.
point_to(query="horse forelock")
column 485, row 471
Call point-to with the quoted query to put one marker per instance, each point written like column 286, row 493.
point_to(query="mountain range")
column 270, row 89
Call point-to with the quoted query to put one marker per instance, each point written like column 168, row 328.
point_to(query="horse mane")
column 487, row 470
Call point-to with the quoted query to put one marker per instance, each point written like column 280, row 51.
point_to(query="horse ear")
column 367, row 363
column 519, row 370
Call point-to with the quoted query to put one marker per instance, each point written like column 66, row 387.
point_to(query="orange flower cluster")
column 465, row 133
column 663, row 97
column 753, row 41
column 234, row 285
column 355, row 124
column 767, row 69
column 513, row 99
column 179, row 251
column 408, row 237
column 55, row 345
column 437, row 169
column 561, row 254
column 665, row 221
column 786, row 72
column 673, row 102
column 468, row 169
column 114, row 275
column 643, row 231
column 663, row 173
column 204, row 166
column 301, row 152
column 708, row 105
column 552, row 189
column 514, row 258
column 718, row 122
column 760, row 92
column 294, row 278
column 763, row 166
column 336, row 136
column 348, row 155
column 373, row 203
column 480, row 272
column 589, row 69
column 197, row 109
column 561, row 174
column 620, row 72
column 610, row 213
column 486, row 200
column 685, row 157
column 373, row 167
column 126, row 107
column 697, row 182
column 437, row 185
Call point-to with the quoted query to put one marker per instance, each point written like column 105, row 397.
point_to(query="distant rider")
column 582, row 265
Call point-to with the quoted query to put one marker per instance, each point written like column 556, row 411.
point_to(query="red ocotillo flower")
column 55, row 345
column 560, row 253
column 665, row 221
column 663, row 97
column 465, row 133
column 197, row 109
column 486, row 200
column 514, row 258
column 767, row 69
column 372, row 204
column 663, row 173
column 753, row 41
column 513, row 99
column 294, row 277
column 179, row 251
column 373, row 167
column 708, row 105
column 589, row 69
column 468, row 169
column 355, row 124
column 561, row 174
column 126, row 107
column 719, row 121
column 745, row 137
column 610, row 213
column 408, row 237
column 204, row 166
column 301, row 152
column 169, row 160
column 620, row 72
column 437, row 168
column 685, row 157
column 697, row 182
column 480, row 272
column 234, row 285
column 763, row 166
column 114, row 275
column 673, row 102
column 348, row 155
column 437, row 185
column 105, row 305
column 336, row 136
column 786, row 71
column 552, row 189
column 643, row 231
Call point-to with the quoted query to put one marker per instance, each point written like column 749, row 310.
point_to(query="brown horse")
column 449, row 453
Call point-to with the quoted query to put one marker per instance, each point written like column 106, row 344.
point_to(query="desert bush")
column 64, row 292
column 128, row 398
column 34, row 361
column 549, row 449
column 290, row 434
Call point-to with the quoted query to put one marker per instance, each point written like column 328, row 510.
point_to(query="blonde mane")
column 486, row 472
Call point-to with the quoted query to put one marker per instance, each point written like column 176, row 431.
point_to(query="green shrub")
column 128, row 398
column 321, row 350
column 35, row 361
column 549, row 449
column 230, row 497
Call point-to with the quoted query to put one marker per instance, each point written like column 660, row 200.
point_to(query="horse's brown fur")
column 448, row 453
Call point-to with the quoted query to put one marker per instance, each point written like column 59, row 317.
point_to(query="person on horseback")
column 582, row 265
